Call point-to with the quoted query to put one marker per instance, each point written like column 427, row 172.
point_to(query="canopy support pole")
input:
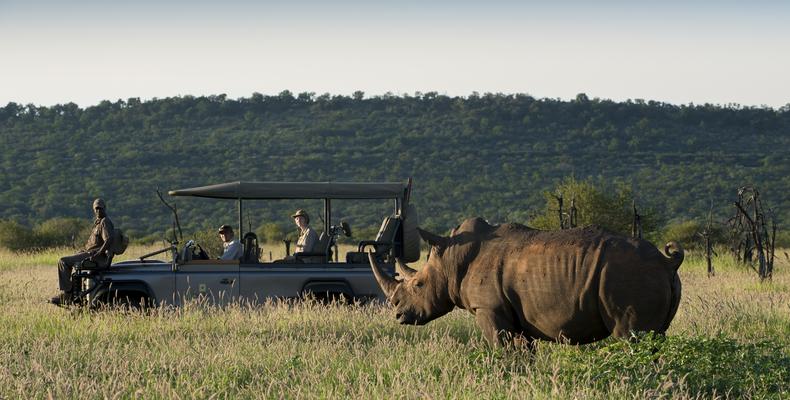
column 241, row 226
column 327, row 215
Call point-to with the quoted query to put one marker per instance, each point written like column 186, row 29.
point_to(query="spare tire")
column 411, row 237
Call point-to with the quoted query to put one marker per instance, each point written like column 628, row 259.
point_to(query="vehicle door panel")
column 261, row 281
column 215, row 280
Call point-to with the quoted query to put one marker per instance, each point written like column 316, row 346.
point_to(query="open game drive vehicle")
column 147, row 281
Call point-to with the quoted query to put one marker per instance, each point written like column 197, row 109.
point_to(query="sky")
column 680, row 52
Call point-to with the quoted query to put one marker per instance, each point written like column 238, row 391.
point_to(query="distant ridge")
column 491, row 155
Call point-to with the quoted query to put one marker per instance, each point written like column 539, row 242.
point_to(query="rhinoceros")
column 576, row 285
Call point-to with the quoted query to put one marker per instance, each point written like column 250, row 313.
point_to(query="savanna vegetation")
column 503, row 157
column 490, row 155
column 730, row 339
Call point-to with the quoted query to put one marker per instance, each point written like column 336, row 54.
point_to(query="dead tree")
column 573, row 214
column 559, row 210
column 568, row 219
column 706, row 237
column 750, row 229
column 636, row 226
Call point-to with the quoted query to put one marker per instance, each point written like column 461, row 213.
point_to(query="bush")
column 53, row 232
column 61, row 232
column 270, row 233
column 687, row 234
column 15, row 236
column 783, row 239
column 604, row 205
column 711, row 365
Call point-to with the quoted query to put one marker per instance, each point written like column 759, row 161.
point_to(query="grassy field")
column 730, row 339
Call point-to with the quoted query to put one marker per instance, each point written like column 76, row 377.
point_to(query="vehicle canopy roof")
column 298, row 190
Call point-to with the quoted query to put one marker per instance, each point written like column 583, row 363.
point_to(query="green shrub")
column 270, row 232
column 687, row 233
column 599, row 204
column 61, row 232
column 783, row 239
column 710, row 365
column 15, row 236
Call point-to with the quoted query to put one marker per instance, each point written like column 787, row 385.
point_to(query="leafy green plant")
column 56, row 232
column 712, row 365
column 688, row 232
column 270, row 232
column 15, row 236
column 610, row 206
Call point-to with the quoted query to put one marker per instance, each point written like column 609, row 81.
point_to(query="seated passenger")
column 232, row 247
column 307, row 236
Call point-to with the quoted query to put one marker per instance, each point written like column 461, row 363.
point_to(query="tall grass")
column 729, row 340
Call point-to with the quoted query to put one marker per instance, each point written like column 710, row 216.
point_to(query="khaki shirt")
column 307, row 241
column 102, row 231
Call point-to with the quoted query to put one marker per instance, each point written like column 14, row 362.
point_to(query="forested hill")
column 489, row 155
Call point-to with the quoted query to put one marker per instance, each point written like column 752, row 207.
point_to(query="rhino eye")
column 418, row 284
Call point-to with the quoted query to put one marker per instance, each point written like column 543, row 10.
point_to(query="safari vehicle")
column 190, row 274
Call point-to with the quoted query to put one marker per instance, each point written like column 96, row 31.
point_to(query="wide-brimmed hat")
column 99, row 203
column 301, row 213
column 225, row 228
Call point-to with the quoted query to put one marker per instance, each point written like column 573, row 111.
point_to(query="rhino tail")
column 675, row 253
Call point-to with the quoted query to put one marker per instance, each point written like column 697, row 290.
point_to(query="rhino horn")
column 387, row 283
column 432, row 239
column 404, row 269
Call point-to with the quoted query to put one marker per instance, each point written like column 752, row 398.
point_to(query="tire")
column 411, row 237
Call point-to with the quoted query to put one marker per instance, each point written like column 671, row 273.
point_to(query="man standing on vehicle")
column 307, row 236
column 231, row 247
column 95, row 252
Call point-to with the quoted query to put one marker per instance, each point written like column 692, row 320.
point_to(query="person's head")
column 226, row 233
column 301, row 218
column 99, row 209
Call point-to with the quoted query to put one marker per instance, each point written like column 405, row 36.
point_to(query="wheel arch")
column 125, row 289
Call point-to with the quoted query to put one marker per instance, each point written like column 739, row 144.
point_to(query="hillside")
column 490, row 155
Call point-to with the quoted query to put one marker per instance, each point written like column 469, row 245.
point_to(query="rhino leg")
column 634, row 302
column 498, row 328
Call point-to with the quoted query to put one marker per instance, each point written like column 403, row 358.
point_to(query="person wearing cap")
column 231, row 247
column 95, row 251
column 307, row 236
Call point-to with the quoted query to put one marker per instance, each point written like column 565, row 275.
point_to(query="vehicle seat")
column 322, row 253
column 383, row 244
column 252, row 252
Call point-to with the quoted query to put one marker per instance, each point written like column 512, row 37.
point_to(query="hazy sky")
column 674, row 51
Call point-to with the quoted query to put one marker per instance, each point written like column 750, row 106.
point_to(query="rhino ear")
column 433, row 239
